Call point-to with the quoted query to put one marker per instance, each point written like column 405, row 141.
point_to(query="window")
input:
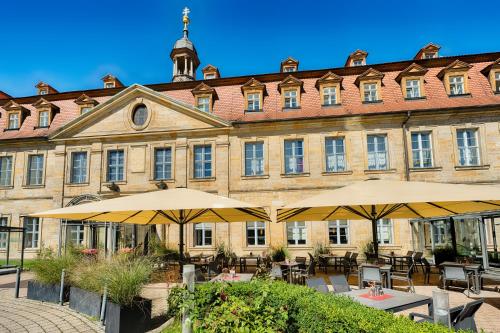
column 440, row 231
column 163, row 163
column 335, row 154
column 329, row 96
column 43, row 119
column 338, row 232
column 203, row 161
column 13, row 120
column 413, row 89
column 210, row 76
column 5, row 170
column 294, row 156
column 202, row 234
column 253, row 100
column 468, row 147
column 115, row 165
column 457, row 85
column 44, row 92
column 35, row 170
column 296, row 233
column 3, row 235
column 377, row 152
column 74, row 234
column 256, row 233
column 421, row 146
column 254, row 158
column 109, row 85
column 291, row 99
column 370, row 91
column 203, row 104
column 140, row 115
column 288, row 69
column 384, row 231
column 357, row 62
column 78, row 167
column 430, row 55
column 85, row 109
column 497, row 81
column 32, row 232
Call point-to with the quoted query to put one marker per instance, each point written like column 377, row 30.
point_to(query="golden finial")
column 185, row 19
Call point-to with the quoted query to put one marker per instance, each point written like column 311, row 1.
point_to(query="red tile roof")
column 230, row 103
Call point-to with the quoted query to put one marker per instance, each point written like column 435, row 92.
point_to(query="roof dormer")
column 411, row 80
column 492, row 72
column 357, row 58
column 329, row 86
column 370, row 85
column 111, row 81
column 210, row 72
column 429, row 51
column 86, row 103
column 46, row 112
column 289, row 65
column 254, row 92
column 45, row 89
column 204, row 96
column 290, row 89
column 16, row 114
column 455, row 78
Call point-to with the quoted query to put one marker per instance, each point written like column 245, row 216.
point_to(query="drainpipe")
column 404, row 128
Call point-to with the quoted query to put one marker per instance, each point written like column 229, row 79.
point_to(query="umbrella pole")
column 374, row 233
column 181, row 242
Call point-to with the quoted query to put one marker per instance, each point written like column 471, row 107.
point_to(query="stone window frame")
column 9, row 223
column 378, row 86
column 191, row 146
column 210, row 104
column 297, row 96
column 481, row 138
column 22, row 218
column 104, row 165
column 246, row 246
column 27, row 154
column 305, row 139
column 493, row 80
column 159, row 145
column 347, row 148
column 12, row 175
column 130, row 113
column 390, row 148
column 349, row 234
column 254, row 139
column 19, row 120
column 437, row 163
column 421, row 80
column 261, row 99
column 69, row 165
column 290, row 83
column 462, row 69
column 338, row 94
column 190, row 238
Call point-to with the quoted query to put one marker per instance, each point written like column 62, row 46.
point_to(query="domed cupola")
column 184, row 55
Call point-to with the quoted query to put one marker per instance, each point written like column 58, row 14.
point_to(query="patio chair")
column 339, row 283
column 323, row 264
column 199, row 277
column 461, row 317
column 354, row 259
column 405, row 275
column 318, row 284
column 369, row 274
column 349, row 269
column 303, row 274
column 427, row 270
column 302, row 262
column 417, row 259
column 404, row 261
column 456, row 273
column 346, row 258
column 213, row 268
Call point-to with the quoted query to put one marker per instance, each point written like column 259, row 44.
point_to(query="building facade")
column 267, row 139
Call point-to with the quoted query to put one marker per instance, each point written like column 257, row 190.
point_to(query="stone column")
column 185, row 66
column 175, row 67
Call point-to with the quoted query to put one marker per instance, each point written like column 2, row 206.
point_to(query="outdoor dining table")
column 394, row 257
column 238, row 277
column 328, row 257
column 391, row 300
column 474, row 268
column 243, row 261
column 384, row 269
column 289, row 265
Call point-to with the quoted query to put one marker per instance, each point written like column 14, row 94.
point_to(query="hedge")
column 264, row 306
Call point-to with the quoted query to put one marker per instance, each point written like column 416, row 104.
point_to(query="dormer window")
column 329, row 89
column 497, row 82
column 111, row 81
column 430, row 55
column 290, row 99
column 43, row 120
column 329, row 95
column 288, row 69
column 86, row 103
column 209, row 76
column 413, row 89
column 44, row 92
column 254, row 92
column 253, row 101
column 109, row 85
column 492, row 72
column 44, row 89
column 429, row 51
column 370, row 92
column 412, row 82
column 289, row 65
column 14, row 120
column 85, row 109
column 204, row 97
column 370, row 85
column 290, row 89
column 357, row 62
column 457, row 85
column 357, row 58
column 210, row 72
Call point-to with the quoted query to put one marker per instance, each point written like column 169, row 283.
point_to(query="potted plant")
column 444, row 253
column 126, row 311
column 87, row 283
column 279, row 253
column 47, row 268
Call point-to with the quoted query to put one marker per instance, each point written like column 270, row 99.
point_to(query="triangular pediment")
column 329, row 77
column 209, row 69
column 412, row 70
column 457, row 65
column 253, row 84
column 290, row 81
column 493, row 65
column 42, row 103
column 12, row 106
column 85, row 100
column 369, row 74
column 203, row 88
column 115, row 116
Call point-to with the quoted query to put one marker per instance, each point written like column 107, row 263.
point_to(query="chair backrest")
column 409, row 253
column 347, row 255
column 371, row 273
column 199, row 277
column 339, row 283
column 354, row 256
column 317, row 283
column 301, row 260
column 311, row 257
column 465, row 320
column 418, row 255
column 311, row 267
column 214, row 267
column 454, row 273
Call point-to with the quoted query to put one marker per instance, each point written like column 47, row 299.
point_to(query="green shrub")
column 319, row 249
column 443, row 253
column 262, row 306
column 279, row 253
column 48, row 267
column 89, row 275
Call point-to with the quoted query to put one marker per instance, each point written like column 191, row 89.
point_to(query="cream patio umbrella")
column 376, row 199
column 179, row 205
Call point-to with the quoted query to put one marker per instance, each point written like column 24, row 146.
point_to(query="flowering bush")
column 90, row 252
column 126, row 250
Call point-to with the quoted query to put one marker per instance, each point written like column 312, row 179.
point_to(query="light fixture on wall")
column 161, row 185
column 113, row 187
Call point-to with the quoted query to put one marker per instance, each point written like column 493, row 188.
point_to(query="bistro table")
column 474, row 268
column 238, row 277
column 289, row 265
column 328, row 257
column 384, row 269
column 394, row 257
column 243, row 261
column 391, row 301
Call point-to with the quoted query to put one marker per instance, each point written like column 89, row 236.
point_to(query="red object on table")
column 377, row 298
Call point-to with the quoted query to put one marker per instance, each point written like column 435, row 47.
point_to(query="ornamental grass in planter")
column 47, row 269
column 87, row 286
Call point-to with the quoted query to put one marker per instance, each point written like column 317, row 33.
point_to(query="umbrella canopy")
column 376, row 199
column 179, row 205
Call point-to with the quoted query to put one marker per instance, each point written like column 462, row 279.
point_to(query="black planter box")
column 124, row 319
column 86, row 302
column 46, row 292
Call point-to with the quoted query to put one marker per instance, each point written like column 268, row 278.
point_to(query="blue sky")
column 72, row 44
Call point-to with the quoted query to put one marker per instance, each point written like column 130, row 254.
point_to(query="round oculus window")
column 140, row 115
